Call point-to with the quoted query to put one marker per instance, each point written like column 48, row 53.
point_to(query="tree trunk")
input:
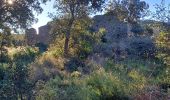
column 66, row 45
column 21, row 97
column 1, row 59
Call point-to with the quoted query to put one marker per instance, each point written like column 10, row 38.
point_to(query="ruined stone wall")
column 43, row 35
column 115, row 30
column 31, row 36
column 117, row 37
column 120, row 42
column 116, row 34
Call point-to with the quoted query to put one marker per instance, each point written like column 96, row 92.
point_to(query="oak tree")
column 75, row 9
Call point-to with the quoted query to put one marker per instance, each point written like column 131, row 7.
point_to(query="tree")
column 163, row 43
column 162, row 12
column 72, row 10
column 5, row 40
column 20, row 78
column 130, row 10
column 14, row 81
column 162, row 40
column 136, row 9
column 117, row 9
column 162, row 16
column 16, row 14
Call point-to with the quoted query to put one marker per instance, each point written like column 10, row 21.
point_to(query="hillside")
column 112, row 56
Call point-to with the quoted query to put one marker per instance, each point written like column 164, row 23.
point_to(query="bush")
column 46, row 67
column 49, row 91
column 85, row 49
column 26, row 56
column 106, row 85
column 96, row 86
column 42, row 47
column 73, row 64
column 137, row 81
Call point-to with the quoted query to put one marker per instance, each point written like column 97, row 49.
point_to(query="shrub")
column 137, row 81
column 73, row 64
column 26, row 56
column 106, row 85
column 49, row 90
column 46, row 67
column 96, row 86
column 85, row 49
column 42, row 47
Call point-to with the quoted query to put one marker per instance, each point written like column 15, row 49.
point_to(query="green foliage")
column 98, row 35
column 164, row 77
column 56, row 49
column 74, row 10
column 42, row 47
column 138, row 81
column 125, row 9
column 136, row 74
column 6, row 84
column 49, row 91
column 106, row 85
column 85, row 49
column 162, row 12
column 163, row 44
column 50, row 76
column 19, row 14
column 26, row 56
column 149, row 30
column 46, row 66
column 18, row 40
column 97, row 86
column 7, row 90
column 5, row 41
column 15, row 83
column 73, row 64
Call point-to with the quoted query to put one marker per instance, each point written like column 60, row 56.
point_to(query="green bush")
column 49, row 91
column 164, row 76
column 27, row 55
column 106, row 85
column 85, row 49
column 96, row 86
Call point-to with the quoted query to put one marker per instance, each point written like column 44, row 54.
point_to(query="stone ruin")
column 116, row 35
column 119, row 40
column 31, row 36
column 43, row 36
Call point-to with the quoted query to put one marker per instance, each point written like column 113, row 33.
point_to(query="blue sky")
column 43, row 18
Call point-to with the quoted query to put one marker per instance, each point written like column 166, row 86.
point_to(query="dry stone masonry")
column 31, row 36
column 119, row 40
column 43, row 36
